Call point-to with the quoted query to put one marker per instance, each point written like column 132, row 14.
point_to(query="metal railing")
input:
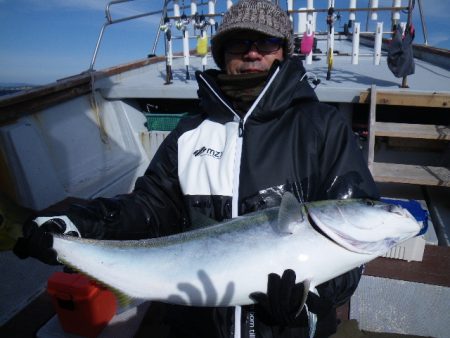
column 110, row 21
column 176, row 18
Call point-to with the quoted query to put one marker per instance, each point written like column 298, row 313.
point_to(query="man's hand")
column 37, row 240
column 283, row 304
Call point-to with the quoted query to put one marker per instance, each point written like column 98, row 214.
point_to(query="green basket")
column 163, row 122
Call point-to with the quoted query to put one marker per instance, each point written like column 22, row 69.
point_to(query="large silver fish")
column 221, row 265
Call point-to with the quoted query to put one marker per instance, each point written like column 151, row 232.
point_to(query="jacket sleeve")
column 343, row 169
column 344, row 174
column 154, row 208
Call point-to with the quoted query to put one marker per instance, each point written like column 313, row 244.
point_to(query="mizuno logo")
column 203, row 151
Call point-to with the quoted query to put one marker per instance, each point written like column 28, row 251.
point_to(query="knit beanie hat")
column 257, row 15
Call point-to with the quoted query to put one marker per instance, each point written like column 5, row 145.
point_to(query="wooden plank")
column 372, row 122
column 406, row 130
column 414, row 99
column 434, row 269
column 411, row 174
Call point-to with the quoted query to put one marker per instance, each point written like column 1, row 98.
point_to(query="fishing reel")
column 182, row 23
column 165, row 28
column 311, row 78
column 200, row 22
column 332, row 17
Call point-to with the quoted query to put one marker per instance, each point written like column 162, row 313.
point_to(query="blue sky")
column 45, row 40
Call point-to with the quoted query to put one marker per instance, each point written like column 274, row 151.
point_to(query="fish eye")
column 395, row 209
column 369, row 203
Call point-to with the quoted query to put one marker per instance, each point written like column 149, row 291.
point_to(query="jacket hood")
column 286, row 85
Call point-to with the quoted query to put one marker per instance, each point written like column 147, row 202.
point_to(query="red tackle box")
column 83, row 307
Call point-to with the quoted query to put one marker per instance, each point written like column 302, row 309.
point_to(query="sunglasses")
column 263, row 45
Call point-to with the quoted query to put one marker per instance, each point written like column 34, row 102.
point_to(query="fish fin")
column 123, row 300
column 290, row 215
column 306, row 287
column 199, row 220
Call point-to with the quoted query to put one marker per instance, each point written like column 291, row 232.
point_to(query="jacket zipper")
column 241, row 127
column 253, row 106
column 237, row 165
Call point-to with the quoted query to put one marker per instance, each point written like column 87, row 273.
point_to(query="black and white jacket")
column 223, row 166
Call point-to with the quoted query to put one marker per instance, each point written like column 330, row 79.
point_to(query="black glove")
column 37, row 240
column 282, row 304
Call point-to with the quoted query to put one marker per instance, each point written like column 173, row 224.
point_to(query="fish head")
column 362, row 225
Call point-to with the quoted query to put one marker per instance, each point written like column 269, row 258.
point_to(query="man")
column 262, row 132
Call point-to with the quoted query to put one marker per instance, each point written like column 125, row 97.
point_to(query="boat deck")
column 346, row 84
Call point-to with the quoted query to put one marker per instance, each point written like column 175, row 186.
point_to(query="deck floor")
column 346, row 83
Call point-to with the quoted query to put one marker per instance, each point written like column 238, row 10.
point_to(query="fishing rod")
column 408, row 26
column 202, row 41
column 331, row 18
column 182, row 24
column 165, row 27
